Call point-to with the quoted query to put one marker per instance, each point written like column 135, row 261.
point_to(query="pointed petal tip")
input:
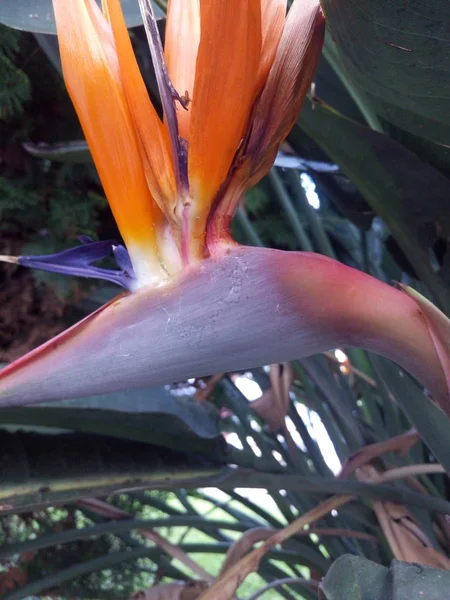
column 439, row 329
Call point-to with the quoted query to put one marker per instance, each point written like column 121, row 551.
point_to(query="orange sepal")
column 296, row 61
column 181, row 47
column 273, row 18
column 228, row 60
column 159, row 168
column 92, row 77
column 276, row 110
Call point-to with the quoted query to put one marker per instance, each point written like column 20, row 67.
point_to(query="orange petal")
column 92, row 76
column 276, row 109
column 273, row 18
column 181, row 47
column 159, row 170
column 225, row 82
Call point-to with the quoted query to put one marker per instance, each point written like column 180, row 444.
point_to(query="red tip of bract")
column 439, row 329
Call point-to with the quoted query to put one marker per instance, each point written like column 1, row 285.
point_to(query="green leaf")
column 408, row 194
column 430, row 421
column 15, row 90
column 75, row 152
column 37, row 15
column 116, row 526
column 15, row 87
column 53, row 469
column 164, row 429
column 355, row 578
column 47, row 469
column 398, row 54
column 152, row 415
column 179, row 414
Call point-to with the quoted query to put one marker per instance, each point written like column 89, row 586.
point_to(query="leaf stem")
column 293, row 218
column 317, row 229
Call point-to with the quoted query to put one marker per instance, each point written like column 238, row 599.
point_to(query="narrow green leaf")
column 152, row 415
column 89, row 566
column 430, row 421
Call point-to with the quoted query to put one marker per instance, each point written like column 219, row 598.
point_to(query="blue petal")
column 79, row 262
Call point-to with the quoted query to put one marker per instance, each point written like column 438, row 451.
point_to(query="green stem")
column 285, row 581
column 317, row 230
column 247, row 227
column 64, row 537
column 293, row 218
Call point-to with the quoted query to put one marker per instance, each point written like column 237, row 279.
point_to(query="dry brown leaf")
column 273, row 405
column 204, row 393
column 407, row 540
column 399, row 444
column 351, row 369
column 227, row 584
column 180, row 590
column 243, row 545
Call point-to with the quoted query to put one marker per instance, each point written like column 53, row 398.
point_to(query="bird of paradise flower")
column 231, row 79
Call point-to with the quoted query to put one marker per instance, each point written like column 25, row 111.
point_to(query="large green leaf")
column 41, row 469
column 398, row 53
column 410, row 196
column 170, row 430
column 152, row 415
column 430, row 421
column 37, row 15
column 53, row 469
column 355, row 578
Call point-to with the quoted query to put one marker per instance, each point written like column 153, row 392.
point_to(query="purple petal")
column 79, row 262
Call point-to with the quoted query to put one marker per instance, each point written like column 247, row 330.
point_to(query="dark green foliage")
column 355, row 578
column 15, row 88
column 15, row 85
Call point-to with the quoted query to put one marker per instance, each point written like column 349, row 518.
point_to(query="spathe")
column 241, row 308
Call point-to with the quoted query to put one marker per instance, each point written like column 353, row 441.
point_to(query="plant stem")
column 317, row 230
column 293, row 218
column 247, row 227
column 285, row 581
